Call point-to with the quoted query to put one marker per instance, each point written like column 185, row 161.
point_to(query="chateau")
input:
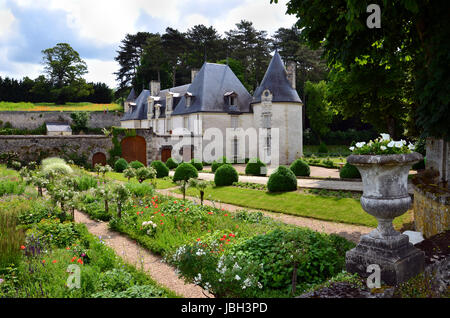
column 217, row 107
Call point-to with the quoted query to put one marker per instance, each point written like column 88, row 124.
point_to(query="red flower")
column 198, row 239
column 54, row 261
column 80, row 261
column 67, row 248
column 137, row 213
column 146, row 207
column 210, row 213
column 174, row 201
column 162, row 222
column 162, row 214
column 22, row 247
column 226, row 214
column 43, row 261
column 222, row 239
column 73, row 259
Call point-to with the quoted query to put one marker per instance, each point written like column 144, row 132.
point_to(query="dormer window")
column 132, row 106
column 231, row 97
column 188, row 97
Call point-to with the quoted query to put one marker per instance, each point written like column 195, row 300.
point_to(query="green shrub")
column 197, row 164
column 11, row 187
column 57, row 168
column 184, row 172
column 322, row 148
column 349, row 171
column 86, row 182
column 225, row 175
column 300, row 168
column 161, row 169
column 11, row 238
column 136, row 164
column 171, row 164
column 116, row 280
column 120, row 165
column 283, row 179
column 216, row 164
column 140, row 189
column 318, row 257
column 256, row 167
column 52, row 160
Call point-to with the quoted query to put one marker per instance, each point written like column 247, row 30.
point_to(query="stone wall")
column 34, row 148
column 35, row 119
column 431, row 212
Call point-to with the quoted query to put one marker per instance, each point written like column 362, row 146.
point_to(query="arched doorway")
column 166, row 153
column 134, row 148
column 99, row 157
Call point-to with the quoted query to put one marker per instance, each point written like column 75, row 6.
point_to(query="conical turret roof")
column 277, row 82
column 132, row 96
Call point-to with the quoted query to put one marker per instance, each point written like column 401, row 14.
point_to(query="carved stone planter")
column 385, row 196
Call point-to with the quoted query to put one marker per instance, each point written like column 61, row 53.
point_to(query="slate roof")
column 139, row 112
column 58, row 127
column 132, row 96
column 208, row 91
column 277, row 82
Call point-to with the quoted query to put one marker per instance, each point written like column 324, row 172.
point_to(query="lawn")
column 332, row 150
column 344, row 210
column 9, row 106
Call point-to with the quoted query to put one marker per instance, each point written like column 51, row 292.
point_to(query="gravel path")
column 140, row 257
column 349, row 231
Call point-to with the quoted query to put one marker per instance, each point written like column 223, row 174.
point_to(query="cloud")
column 101, row 71
column 6, row 23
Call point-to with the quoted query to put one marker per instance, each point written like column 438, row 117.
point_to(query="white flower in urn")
column 352, row 148
column 360, row 144
column 385, row 137
column 391, row 144
column 383, row 148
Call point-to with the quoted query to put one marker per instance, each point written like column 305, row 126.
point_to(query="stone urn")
column 385, row 196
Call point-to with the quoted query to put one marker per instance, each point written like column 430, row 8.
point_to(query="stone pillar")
column 438, row 152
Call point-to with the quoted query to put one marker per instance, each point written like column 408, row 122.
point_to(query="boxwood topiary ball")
column 349, row 171
column 283, row 179
column 185, row 171
column 300, row 168
column 256, row 167
column 225, row 175
column 120, row 165
column 161, row 169
column 197, row 164
column 136, row 164
column 171, row 164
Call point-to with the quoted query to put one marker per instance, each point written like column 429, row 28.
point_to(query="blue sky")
column 95, row 27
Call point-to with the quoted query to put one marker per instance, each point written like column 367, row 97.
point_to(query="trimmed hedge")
column 197, row 164
column 300, row 168
column 350, row 172
column 254, row 166
column 282, row 180
column 136, row 164
column 225, row 175
column 185, row 171
column 322, row 148
column 120, row 165
column 161, row 169
column 171, row 164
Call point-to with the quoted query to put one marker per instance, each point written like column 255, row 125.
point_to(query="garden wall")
column 35, row 119
column 431, row 211
column 38, row 147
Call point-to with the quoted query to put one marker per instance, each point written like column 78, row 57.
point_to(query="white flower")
column 385, row 137
column 398, row 144
column 411, row 146
column 198, row 279
column 236, row 266
column 260, row 285
column 237, row 277
column 383, row 148
column 360, row 144
column 391, row 144
column 351, row 148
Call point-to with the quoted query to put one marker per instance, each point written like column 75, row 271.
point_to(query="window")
column 188, row 101
column 235, row 149
column 186, row 123
column 232, row 100
column 234, row 122
column 268, row 142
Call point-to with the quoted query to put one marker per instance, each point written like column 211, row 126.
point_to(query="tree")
column 318, row 110
column 200, row 186
column 411, row 30
column 129, row 55
column 205, row 44
column 237, row 69
column 250, row 47
column 175, row 47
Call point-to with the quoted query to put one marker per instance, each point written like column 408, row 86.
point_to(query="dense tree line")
column 41, row 90
column 171, row 56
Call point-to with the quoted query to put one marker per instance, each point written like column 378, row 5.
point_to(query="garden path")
column 348, row 231
column 302, row 183
column 140, row 257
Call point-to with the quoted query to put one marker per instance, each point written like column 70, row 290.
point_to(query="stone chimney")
column 290, row 70
column 155, row 88
column 194, row 72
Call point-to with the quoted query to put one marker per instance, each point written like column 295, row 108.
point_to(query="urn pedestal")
column 385, row 196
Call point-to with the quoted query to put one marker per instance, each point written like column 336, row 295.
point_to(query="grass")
column 342, row 149
column 343, row 210
column 22, row 106
column 160, row 183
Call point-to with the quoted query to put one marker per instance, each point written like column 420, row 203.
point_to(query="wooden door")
column 99, row 157
column 134, row 148
column 166, row 153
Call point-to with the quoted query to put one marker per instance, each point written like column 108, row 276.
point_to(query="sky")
column 94, row 28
